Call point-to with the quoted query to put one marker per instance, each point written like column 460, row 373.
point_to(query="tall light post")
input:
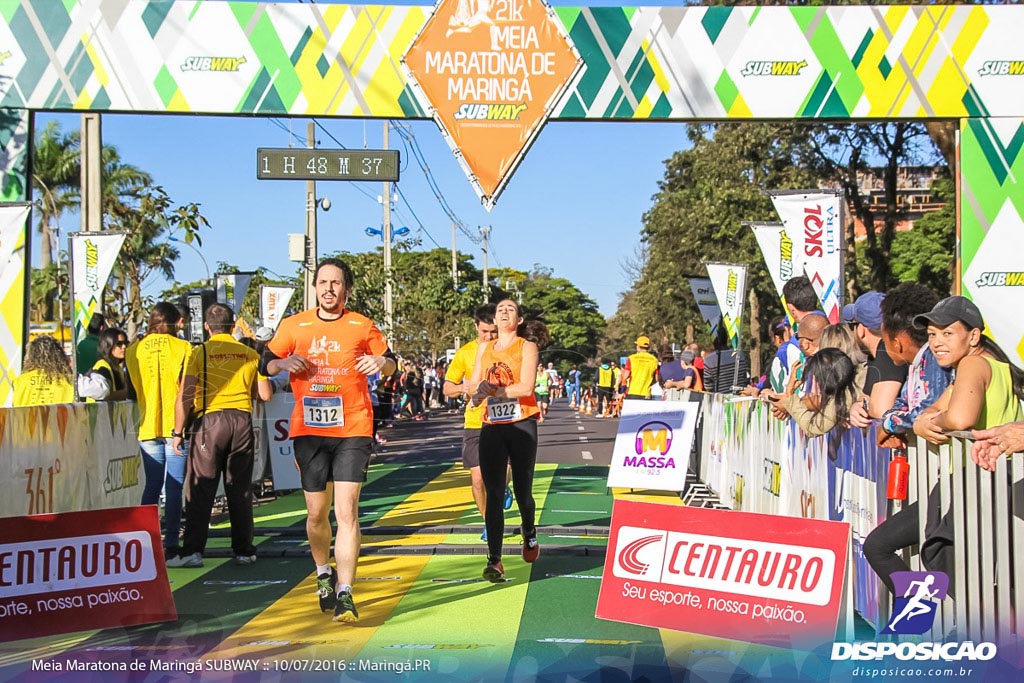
column 389, row 306
column 485, row 232
column 198, row 253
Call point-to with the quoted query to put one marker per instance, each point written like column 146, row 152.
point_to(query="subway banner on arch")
column 813, row 220
column 757, row 578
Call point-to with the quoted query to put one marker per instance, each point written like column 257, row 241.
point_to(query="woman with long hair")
column 829, row 390
column 505, row 374
column 156, row 365
column 841, row 336
column 45, row 376
column 110, row 363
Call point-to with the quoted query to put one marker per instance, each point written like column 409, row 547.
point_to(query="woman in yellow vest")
column 46, row 375
column 505, row 374
column 110, row 352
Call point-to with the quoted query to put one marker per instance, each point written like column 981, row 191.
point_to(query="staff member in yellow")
column 46, row 375
column 156, row 364
column 220, row 384
column 640, row 370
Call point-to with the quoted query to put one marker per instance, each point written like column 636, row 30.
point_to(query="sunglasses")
column 121, row 342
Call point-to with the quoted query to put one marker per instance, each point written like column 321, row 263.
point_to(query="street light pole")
column 389, row 311
column 309, row 290
column 485, row 232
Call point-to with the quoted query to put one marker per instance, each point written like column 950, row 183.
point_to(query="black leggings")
column 902, row 530
column 502, row 445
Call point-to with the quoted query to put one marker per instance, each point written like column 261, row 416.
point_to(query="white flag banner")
column 273, row 303
column 707, row 303
column 729, row 281
column 777, row 249
column 813, row 220
column 13, row 218
column 232, row 288
column 92, row 258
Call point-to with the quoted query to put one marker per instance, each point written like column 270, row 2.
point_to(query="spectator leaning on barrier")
column 107, row 380
column 985, row 393
column 992, row 443
column 829, row 391
column 46, row 375
column 884, row 378
column 908, row 344
column 842, row 337
column 787, row 353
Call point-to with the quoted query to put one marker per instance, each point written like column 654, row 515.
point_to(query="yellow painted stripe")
column 663, row 497
column 97, row 64
column 294, row 627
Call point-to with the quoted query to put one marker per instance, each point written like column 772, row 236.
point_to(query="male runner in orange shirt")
column 329, row 351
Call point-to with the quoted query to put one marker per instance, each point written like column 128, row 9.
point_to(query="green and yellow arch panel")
column 638, row 63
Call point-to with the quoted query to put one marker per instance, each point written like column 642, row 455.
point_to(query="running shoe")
column 325, row 584
column 245, row 560
column 508, row 498
column 187, row 561
column 494, row 572
column 483, row 536
column 531, row 548
column 345, row 610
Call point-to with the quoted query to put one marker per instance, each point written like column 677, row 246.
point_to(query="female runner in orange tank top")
column 505, row 373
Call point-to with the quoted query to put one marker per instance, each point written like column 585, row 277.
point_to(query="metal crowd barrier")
column 750, row 461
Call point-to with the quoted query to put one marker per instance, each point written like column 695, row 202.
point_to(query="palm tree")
column 56, row 173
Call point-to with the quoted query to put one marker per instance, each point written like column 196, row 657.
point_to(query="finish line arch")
column 846, row 63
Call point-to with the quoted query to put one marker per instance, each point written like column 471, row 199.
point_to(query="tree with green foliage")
column 926, row 253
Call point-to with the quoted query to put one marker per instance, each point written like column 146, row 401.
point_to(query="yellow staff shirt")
column 156, row 365
column 225, row 372
column 33, row 388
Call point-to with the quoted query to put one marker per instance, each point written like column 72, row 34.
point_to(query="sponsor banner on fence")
column 707, row 303
column 92, row 258
column 63, row 458
column 81, row 571
column 652, row 446
column 813, row 221
column 12, row 295
column 729, row 280
column 273, row 303
column 232, row 288
column 756, row 578
column 282, row 451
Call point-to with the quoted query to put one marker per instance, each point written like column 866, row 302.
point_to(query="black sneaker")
column 325, row 584
column 346, row 610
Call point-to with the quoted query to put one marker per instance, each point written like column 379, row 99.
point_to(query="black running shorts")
column 470, row 448
column 329, row 458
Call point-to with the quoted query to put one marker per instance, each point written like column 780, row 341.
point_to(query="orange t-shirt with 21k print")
column 332, row 398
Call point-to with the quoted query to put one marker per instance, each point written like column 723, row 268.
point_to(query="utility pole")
column 485, row 232
column 309, row 291
column 389, row 311
column 455, row 261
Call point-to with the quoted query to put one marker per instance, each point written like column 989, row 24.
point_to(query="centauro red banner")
column 758, row 578
column 80, row 571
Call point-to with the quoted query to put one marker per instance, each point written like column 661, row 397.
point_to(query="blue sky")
column 574, row 205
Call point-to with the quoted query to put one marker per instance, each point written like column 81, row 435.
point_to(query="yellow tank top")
column 1001, row 405
column 156, row 365
column 502, row 367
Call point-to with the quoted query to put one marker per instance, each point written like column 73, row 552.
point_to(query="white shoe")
column 188, row 561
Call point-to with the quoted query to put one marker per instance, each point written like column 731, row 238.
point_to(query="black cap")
column 950, row 310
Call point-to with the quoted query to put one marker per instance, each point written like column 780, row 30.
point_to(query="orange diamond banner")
column 492, row 71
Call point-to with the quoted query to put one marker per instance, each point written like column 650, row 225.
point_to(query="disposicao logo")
column 915, row 611
column 212, row 63
column 774, row 68
column 1002, row 67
